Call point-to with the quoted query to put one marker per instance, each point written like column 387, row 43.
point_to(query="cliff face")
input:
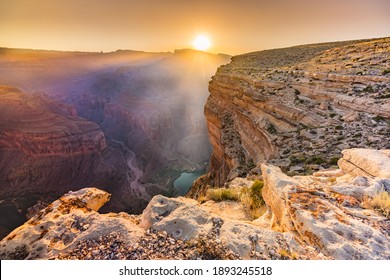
column 46, row 150
column 297, row 107
column 36, row 133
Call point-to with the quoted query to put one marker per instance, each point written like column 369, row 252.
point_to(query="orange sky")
column 234, row 27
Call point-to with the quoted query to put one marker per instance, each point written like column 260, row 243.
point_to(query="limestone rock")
column 185, row 219
column 327, row 217
column 366, row 162
column 65, row 223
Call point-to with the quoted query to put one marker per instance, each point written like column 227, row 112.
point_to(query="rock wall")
column 46, row 150
column 297, row 107
column 36, row 133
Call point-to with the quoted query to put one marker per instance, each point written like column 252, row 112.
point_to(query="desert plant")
column 271, row 128
column 378, row 118
column 386, row 71
column 315, row 160
column 381, row 203
column 333, row 160
column 223, row 194
column 253, row 200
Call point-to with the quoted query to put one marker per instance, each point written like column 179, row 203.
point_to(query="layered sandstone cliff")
column 297, row 107
column 45, row 150
column 327, row 215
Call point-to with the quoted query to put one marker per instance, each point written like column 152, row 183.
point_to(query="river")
column 183, row 184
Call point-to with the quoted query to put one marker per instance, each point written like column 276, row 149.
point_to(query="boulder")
column 65, row 223
column 326, row 217
column 366, row 162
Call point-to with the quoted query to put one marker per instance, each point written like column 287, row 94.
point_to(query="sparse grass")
column 251, row 198
column 381, row 203
column 222, row 194
column 287, row 255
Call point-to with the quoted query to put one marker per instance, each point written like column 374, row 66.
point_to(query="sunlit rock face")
column 297, row 107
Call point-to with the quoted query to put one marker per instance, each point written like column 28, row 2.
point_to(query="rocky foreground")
column 326, row 215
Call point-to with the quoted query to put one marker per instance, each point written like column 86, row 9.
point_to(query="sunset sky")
column 154, row 25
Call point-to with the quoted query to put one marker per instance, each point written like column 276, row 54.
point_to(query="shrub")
column 382, row 96
column 333, row 161
column 315, row 160
column 253, row 200
column 368, row 88
column 378, row 118
column 222, row 194
column 271, row 128
column 381, row 203
column 296, row 159
column 386, row 71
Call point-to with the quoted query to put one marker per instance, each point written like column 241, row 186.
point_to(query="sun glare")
column 201, row 43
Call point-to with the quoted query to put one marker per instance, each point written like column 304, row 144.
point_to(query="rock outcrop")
column 322, row 216
column 297, row 108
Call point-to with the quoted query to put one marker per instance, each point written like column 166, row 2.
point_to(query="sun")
column 201, row 43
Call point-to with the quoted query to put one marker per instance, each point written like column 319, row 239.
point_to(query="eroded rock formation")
column 322, row 216
column 297, row 107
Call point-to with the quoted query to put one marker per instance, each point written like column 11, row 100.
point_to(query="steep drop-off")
column 297, row 107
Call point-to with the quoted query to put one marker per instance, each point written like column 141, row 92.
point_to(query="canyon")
column 309, row 125
column 128, row 122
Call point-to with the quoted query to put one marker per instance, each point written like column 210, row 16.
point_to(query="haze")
column 233, row 27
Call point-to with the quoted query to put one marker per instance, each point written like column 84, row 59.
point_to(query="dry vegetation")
column 381, row 203
column 250, row 197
